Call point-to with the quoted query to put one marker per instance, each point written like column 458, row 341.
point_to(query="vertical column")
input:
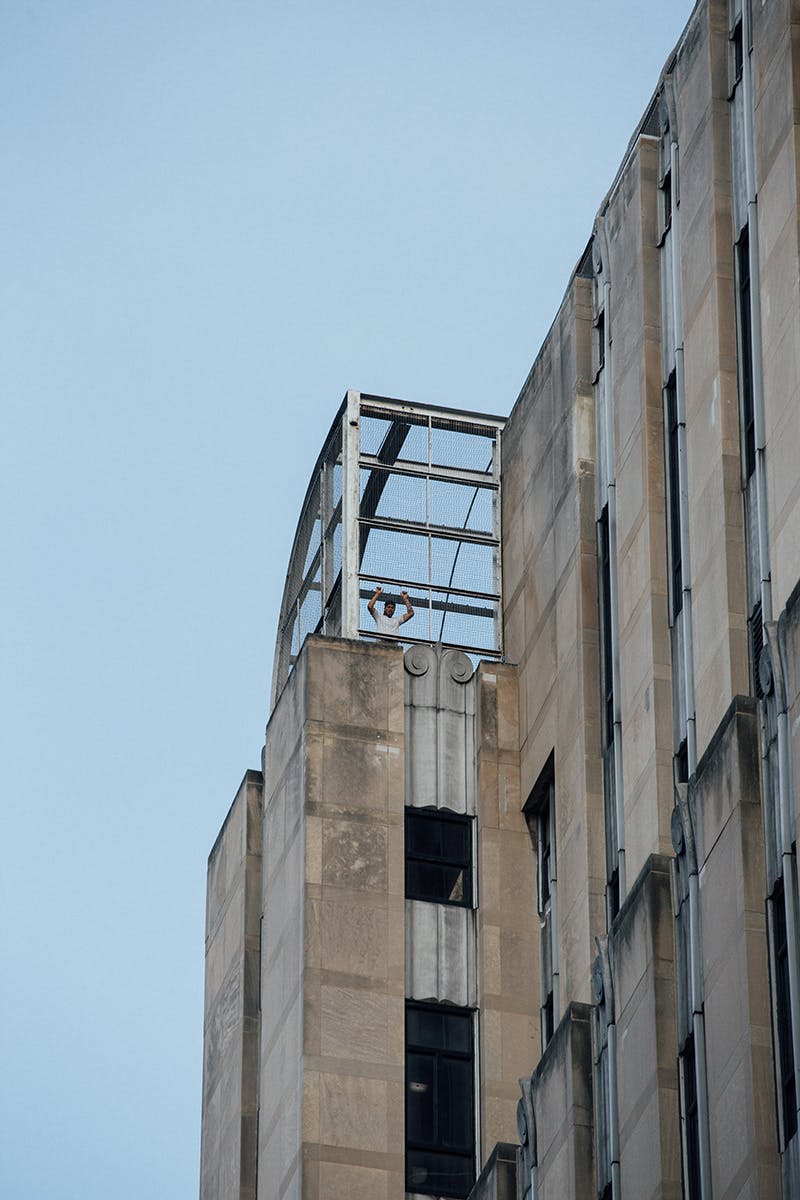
column 232, row 1009
column 350, row 511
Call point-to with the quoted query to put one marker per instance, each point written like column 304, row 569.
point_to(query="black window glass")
column 440, row 1101
column 783, row 1015
column 438, row 857
column 455, row 1082
column 424, row 1027
column 674, row 505
column 420, row 1071
column 746, row 356
column 737, row 42
column 668, row 200
column 438, row 1029
column 601, row 342
column 691, row 1165
column 432, row 1174
column 607, row 649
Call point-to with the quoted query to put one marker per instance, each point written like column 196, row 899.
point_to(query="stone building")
column 511, row 909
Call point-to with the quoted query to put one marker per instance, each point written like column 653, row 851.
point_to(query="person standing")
column 386, row 621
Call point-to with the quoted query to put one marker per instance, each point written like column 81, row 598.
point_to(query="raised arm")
column 372, row 602
column 408, row 614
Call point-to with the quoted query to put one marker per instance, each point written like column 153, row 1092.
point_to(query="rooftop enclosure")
column 402, row 496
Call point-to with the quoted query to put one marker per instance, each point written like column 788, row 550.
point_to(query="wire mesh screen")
column 419, row 489
column 429, row 523
column 458, row 445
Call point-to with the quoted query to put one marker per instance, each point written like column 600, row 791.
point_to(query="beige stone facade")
column 621, row 941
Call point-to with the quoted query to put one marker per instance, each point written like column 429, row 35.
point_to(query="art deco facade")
column 511, row 909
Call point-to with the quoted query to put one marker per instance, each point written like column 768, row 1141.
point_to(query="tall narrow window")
column 601, row 1084
column 607, row 715
column 745, row 331
column 691, row 1131
column 681, row 766
column 755, row 628
column 736, row 54
column 783, row 1018
column 665, row 206
column 540, row 815
column 600, row 343
column 782, row 886
column 440, row 1100
column 673, row 496
column 687, row 1047
column 438, row 856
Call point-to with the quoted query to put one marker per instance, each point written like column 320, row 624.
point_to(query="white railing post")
column 350, row 510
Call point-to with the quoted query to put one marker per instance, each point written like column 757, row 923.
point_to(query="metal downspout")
column 788, row 859
column 683, row 473
column 608, row 376
column 610, row 447
column 613, row 1118
column 785, row 798
column 699, row 1029
column 687, row 846
column 554, row 907
column 755, row 319
column 609, row 1001
column 695, row 948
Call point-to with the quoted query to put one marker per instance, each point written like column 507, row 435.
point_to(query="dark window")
column 607, row 715
column 440, row 1106
column 682, row 763
column 548, row 1020
column 756, row 631
column 540, row 815
column 691, row 1130
column 673, row 496
column 438, row 856
column 544, row 852
column 666, row 203
column 612, row 894
column 737, row 53
column 746, row 355
column 600, row 335
column 783, row 1016
column 607, row 661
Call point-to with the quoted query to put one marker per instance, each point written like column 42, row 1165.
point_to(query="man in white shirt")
column 386, row 621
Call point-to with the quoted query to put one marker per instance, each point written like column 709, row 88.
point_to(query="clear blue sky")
column 215, row 218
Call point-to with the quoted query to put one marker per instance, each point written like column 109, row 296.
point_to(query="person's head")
column 388, row 608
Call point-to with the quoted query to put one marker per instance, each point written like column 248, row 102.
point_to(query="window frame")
column 785, row 1082
column 607, row 706
column 412, row 890
column 665, row 206
column 599, row 339
column 439, row 1054
column 689, row 1110
column 744, row 357
column 673, row 506
column 540, row 814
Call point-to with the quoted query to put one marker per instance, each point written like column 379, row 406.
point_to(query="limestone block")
column 347, row 1181
column 353, row 1112
column 491, row 978
column 354, row 936
column 354, row 855
column 354, row 774
column 354, row 1024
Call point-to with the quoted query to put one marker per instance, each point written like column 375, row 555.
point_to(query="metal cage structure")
column 401, row 496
